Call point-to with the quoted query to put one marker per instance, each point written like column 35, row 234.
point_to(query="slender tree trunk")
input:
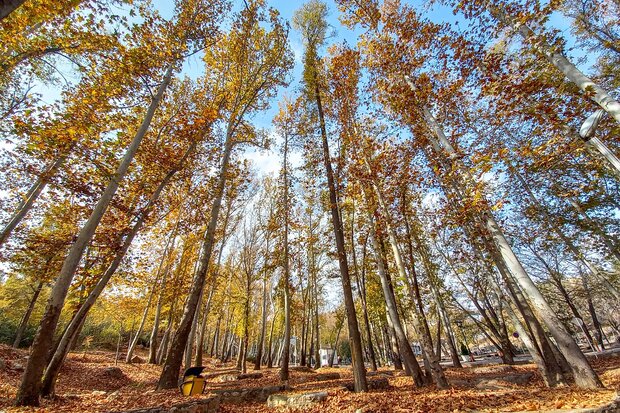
column 172, row 365
column 201, row 338
column 427, row 344
column 334, row 347
column 189, row 345
column 592, row 311
column 28, row 393
column 213, row 352
column 557, row 59
column 392, row 309
column 443, row 315
column 583, row 373
column 136, row 338
column 53, row 368
column 270, row 345
column 284, row 370
column 168, row 251
column 317, row 343
column 31, row 196
column 357, row 357
column 360, row 278
column 24, row 321
column 263, row 328
column 394, row 349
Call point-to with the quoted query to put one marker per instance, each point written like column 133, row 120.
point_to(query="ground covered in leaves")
column 87, row 384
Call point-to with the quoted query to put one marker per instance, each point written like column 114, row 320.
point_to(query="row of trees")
column 447, row 171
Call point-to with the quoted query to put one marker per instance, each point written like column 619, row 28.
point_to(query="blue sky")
column 265, row 161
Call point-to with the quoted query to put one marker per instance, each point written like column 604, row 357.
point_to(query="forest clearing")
column 329, row 205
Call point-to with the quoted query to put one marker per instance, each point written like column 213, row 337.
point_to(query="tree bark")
column 53, row 367
column 172, row 365
column 572, row 73
column 392, row 309
column 30, row 387
column 583, row 373
column 357, row 356
column 284, row 370
column 427, row 344
column 9, row 6
column 31, row 196
column 134, row 342
column 263, row 329
column 24, row 321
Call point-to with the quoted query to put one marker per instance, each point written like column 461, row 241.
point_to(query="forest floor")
column 86, row 384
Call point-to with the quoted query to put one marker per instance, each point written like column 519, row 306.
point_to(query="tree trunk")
column 360, row 278
column 263, row 328
column 357, row 357
column 583, row 373
column 592, row 311
column 134, row 342
column 168, row 251
column 427, row 344
column 572, row 73
column 31, row 196
column 201, row 338
column 392, row 309
column 284, row 370
column 24, row 321
column 9, row 6
column 172, row 365
column 30, row 387
column 53, row 368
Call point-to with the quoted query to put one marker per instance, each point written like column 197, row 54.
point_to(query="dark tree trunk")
column 172, row 365
column 24, row 321
column 9, row 6
column 357, row 356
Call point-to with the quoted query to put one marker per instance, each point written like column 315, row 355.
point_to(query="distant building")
column 325, row 354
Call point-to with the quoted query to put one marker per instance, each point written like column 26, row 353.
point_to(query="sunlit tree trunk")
column 360, row 278
column 427, row 344
column 134, row 342
column 172, row 365
column 357, row 355
column 30, row 197
column 394, row 322
column 70, row 333
column 284, row 370
column 557, row 59
column 583, row 373
column 263, row 328
column 29, row 390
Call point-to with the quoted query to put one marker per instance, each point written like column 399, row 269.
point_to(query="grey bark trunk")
column 30, row 387
column 392, row 309
column 427, row 344
column 263, row 328
column 572, row 73
column 357, row 357
column 284, row 371
column 134, row 342
column 53, row 367
column 172, row 365
column 31, row 196
column 583, row 373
